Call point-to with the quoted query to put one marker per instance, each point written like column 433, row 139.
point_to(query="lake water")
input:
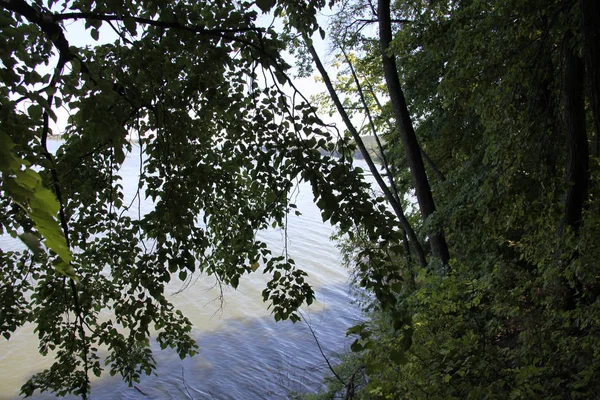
column 243, row 352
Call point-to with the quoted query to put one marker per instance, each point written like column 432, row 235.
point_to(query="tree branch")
column 49, row 24
column 312, row 331
column 403, row 221
column 394, row 21
column 151, row 22
column 79, row 320
column 440, row 175
column 338, row 104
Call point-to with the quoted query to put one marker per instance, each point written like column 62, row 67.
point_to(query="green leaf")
column 398, row 357
column 396, row 287
column 281, row 77
column 66, row 270
column 28, row 180
column 356, row 346
column 355, row 330
column 265, row 5
column 52, row 233
column 119, row 155
column 35, row 111
column 45, row 199
column 32, row 242
column 75, row 65
column 406, row 341
column 130, row 25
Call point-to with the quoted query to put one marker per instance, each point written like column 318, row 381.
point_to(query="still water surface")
column 243, row 353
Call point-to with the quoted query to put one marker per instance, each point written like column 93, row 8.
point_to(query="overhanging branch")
column 151, row 22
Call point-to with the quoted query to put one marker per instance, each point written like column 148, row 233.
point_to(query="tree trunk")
column 439, row 246
column 577, row 171
column 393, row 200
column 415, row 243
column 591, row 33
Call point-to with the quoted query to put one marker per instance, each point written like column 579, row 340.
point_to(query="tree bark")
column 397, row 207
column 591, row 33
column 577, row 169
column 426, row 157
column 414, row 242
column 439, row 247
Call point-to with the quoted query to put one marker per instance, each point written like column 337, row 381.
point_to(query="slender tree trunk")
column 577, row 171
column 397, row 207
column 412, row 149
column 414, row 242
column 427, row 159
column 591, row 33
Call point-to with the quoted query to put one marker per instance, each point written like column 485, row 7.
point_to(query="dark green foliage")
column 495, row 90
column 516, row 312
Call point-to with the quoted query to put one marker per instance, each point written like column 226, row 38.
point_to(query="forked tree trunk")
column 439, row 247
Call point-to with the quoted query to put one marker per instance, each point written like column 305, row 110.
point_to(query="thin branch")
column 118, row 32
column 312, row 331
column 79, row 320
column 372, row 6
column 440, row 175
column 151, row 22
column 395, row 21
column 403, row 220
column 185, row 385
column 434, row 167
column 334, row 97
column 136, row 387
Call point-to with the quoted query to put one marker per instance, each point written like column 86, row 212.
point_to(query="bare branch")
column 440, row 175
column 312, row 331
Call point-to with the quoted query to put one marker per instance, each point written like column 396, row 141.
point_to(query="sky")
column 78, row 36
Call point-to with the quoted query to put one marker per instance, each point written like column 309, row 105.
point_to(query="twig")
column 321, row 349
column 184, row 384
column 136, row 387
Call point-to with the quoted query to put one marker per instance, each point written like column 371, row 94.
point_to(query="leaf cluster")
column 515, row 313
column 198, row 87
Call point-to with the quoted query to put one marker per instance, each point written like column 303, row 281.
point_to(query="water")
column 244, row 353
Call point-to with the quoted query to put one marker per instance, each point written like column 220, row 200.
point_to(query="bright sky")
column 78, row 36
